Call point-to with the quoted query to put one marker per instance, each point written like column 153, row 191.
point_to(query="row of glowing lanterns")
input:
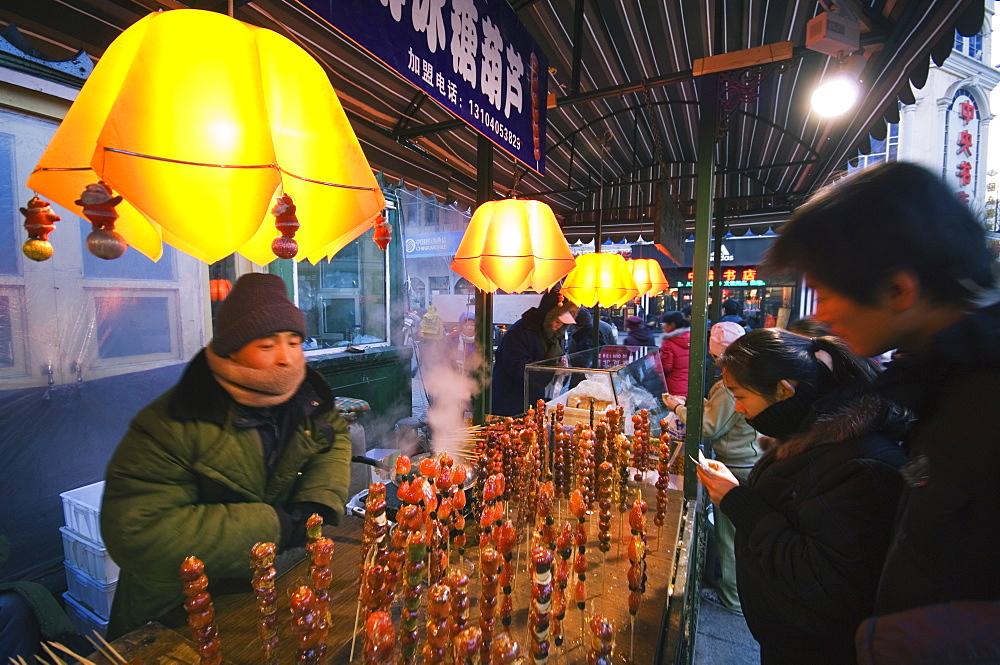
column 514, row 244
column 174, row 139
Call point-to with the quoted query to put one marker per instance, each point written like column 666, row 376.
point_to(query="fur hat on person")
column 258, row 306
column 723, row 334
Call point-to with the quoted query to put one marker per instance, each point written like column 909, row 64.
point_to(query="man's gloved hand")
column 293, row 522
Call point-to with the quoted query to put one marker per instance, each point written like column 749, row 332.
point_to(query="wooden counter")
column 236, row 612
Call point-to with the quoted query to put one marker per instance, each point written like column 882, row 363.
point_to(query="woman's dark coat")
column 813, row 523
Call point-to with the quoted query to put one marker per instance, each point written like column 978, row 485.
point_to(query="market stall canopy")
column 623, row 122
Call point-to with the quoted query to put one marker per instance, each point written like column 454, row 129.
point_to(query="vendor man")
column 243, row 449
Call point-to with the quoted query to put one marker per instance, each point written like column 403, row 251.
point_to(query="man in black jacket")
column 898, row 262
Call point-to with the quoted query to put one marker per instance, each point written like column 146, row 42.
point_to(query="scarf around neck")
column 257, row 387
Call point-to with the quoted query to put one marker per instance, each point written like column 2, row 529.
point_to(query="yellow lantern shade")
column 199, row 121
column 648, row 276
column 600, row 279
column 513, row 245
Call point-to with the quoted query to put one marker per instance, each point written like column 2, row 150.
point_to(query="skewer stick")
column 55, row 659
column 107, row 645
column 101, row 650
column 72, row 654
column 631, row 640
column 369, row 561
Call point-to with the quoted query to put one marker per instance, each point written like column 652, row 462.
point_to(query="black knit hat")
column 257, row 306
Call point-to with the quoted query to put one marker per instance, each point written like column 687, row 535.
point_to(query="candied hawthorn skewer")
column 380, row 640
column 602, row 641
column 264, row 574
column 564, row 545
column 489, row 566
column 309, row 626
column 200, row 611
column 578, row 506
column 458, row 582
column 541, row 604
column 637, row 561
column 438, row 624
column 467, row 645
column 506, row 538
column 662, row 479
column 413, row 588
column 504, row 650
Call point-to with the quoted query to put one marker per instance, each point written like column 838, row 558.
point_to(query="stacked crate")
column 91, row 575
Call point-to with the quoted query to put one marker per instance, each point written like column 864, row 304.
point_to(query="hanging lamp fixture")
column 648, row 276
column 600, row 278
column 200, row 122
column 513, row 245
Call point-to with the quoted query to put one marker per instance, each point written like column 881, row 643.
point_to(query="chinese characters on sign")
column 961, row 139
column 473, row 57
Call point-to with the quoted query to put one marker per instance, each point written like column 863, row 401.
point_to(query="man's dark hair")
column 675, row 318
column 890, row 218
column 730, row 306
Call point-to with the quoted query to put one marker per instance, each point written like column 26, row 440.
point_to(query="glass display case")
column 588, row 383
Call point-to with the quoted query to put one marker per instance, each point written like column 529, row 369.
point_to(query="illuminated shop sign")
column 726, row 284
column 473, row 57
column 961, row 157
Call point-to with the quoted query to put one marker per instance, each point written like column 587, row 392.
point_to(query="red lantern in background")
column 218, row 289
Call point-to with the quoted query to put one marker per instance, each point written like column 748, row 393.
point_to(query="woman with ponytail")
column 814, row 519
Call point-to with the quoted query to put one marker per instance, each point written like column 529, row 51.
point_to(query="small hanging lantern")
column 98, row 205
column 383, row 232
column 648, row 276
column 39, row 222
column 513, row 245
column 601, row 278
column 284, row 246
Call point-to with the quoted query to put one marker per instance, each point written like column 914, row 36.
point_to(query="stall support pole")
column 705, row 194
column 484, row 301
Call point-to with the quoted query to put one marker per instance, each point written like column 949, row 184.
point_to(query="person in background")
column 675, row 352
column 243, row 449
column 734, row 443
column 638, row 333
column 809, row 326
column 933, row 298
column 814, row 519
column 539, row 334
column 686, row 311
column 582, row 337
column 731, row 312
column 461, row 343
column 606, row 321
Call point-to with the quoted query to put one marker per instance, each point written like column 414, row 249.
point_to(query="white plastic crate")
column 82, row 510
column 88, row 557
column 95, row 595
column 84, row 621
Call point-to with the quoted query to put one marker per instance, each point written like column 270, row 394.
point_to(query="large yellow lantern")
column 648, row 276
column 513, row 245
column 199, row 121
column 600, row 279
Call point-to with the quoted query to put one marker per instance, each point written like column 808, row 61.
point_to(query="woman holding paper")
column 814, row 518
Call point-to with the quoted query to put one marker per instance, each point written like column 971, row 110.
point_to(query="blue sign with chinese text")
column 471, row 56
column 433, row 244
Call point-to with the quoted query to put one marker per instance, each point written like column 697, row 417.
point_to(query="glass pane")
column 342, row 270
column 10, row 218
column 343, row 298
column 132, row 325
column 6, row 334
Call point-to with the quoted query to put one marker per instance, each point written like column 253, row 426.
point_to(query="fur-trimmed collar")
column 839, row 417
column 198, row 396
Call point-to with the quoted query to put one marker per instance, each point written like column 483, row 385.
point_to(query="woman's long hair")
column 763, row 357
